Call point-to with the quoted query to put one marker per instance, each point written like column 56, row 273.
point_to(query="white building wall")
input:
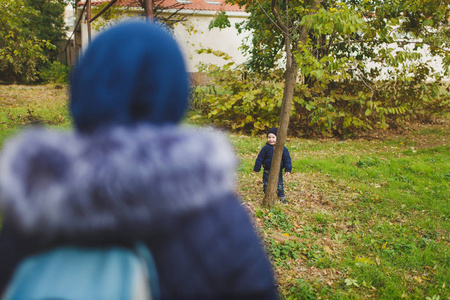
column 69, row 19
column 227, row 40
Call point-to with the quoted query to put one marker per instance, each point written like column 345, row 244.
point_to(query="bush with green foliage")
column 28, row 37
column 47, row 23
column 20, row 51
column 56, row 72
column 362, row 65
column 245, row 101
column 238, row 100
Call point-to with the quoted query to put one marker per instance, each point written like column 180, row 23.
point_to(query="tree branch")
column 280, row 22
column 312, row 10
column 393, row 42
column 274, row 22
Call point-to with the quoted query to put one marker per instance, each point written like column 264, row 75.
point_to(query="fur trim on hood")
column 59, row 184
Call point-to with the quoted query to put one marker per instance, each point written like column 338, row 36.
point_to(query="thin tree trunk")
column 290, row 77
column 288, row 94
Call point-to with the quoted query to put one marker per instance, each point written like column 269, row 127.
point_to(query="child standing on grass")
column 265, row 159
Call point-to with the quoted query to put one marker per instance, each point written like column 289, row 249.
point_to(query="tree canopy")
column 29, row 33
column 48, row 22
column 361, row 65
column 350, row 37
column 20, row 50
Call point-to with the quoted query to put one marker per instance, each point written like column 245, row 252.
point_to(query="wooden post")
column 149, row 9
column 89, row 16
column 75, row 42
column 70, row 54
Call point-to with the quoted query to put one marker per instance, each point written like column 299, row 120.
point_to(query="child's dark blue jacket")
column 265, row 159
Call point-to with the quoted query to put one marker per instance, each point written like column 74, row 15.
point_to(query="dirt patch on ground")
column 22, row 95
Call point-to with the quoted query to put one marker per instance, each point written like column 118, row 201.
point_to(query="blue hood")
column 133, row 73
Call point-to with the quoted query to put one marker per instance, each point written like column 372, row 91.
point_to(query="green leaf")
column 428, row 22
column 220, row 21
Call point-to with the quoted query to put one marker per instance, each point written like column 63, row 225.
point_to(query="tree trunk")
column 290, row 77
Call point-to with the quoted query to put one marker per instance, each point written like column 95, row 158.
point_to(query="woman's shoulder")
column 221, row 241
column 142, row 174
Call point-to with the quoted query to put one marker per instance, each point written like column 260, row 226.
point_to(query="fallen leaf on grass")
column 328, row 250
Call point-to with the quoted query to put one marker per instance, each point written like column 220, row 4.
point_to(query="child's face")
column 271, row 139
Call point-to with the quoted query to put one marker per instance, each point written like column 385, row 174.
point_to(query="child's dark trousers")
column 280, row 187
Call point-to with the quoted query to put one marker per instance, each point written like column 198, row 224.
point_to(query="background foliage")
column 47, row 23
column 30, row 31
column 366, row 218
column 363, row 66
column 240, row 100
column 344, row 35
column 20, row 52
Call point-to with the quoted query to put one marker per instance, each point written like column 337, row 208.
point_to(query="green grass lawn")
column 366, row 218
column 22, row 106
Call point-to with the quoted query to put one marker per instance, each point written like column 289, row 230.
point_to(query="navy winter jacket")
column 265, row 159
column 129, row 173
column 118, row 186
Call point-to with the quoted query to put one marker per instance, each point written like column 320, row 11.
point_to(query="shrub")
column 55, row 73
column 239, row 100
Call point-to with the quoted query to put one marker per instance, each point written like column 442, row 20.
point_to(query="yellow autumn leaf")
column 365, row 260
column 328, row 250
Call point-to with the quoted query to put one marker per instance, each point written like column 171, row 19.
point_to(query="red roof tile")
column 203, row 5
